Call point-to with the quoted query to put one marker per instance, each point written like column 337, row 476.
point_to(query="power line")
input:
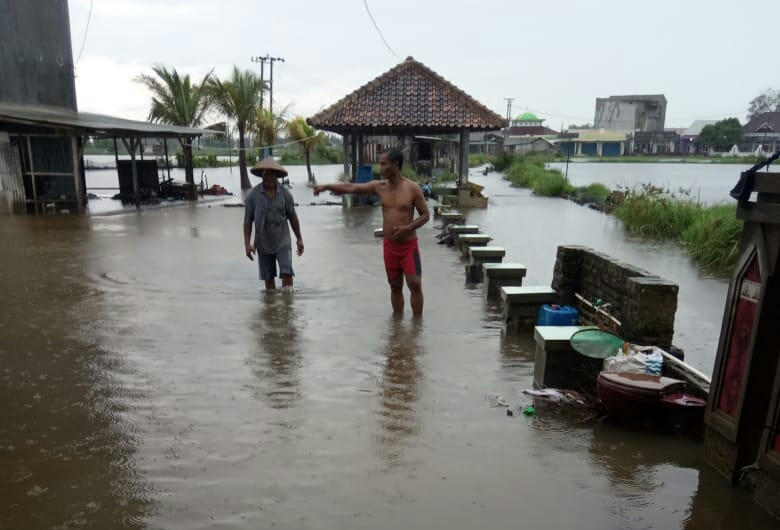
column 365, row 3
column 86, row 30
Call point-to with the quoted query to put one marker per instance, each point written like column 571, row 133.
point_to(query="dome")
column 528, row 116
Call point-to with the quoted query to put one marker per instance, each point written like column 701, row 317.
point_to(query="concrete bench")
column 480, row 255
column 498, row 275
column 522, row 304
column 467, row 241
column 378, row 232
column 450, row 218
column 458, row 230
column 558, row 365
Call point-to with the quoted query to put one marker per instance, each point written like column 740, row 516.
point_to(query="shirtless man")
column 400, row 198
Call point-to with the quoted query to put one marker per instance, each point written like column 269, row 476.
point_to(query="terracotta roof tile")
column 410, row 95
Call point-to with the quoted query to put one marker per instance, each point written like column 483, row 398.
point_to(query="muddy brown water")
column 146, row 381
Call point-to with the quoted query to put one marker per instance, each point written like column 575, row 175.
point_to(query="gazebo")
column 409, row 100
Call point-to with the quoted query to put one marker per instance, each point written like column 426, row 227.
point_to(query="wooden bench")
column 558, row 365
column 522, row 304
column 467, row 241
column 480, row 255
column 498, row 275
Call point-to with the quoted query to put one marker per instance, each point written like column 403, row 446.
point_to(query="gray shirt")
column 270, row 215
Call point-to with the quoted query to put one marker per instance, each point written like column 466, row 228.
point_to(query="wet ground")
column 146, row 381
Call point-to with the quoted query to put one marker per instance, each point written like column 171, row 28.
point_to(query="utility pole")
column 262, row 61
column 508, row 118
column 270, row 60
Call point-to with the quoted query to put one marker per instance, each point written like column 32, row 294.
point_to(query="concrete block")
column 477, row 257
column 498, row 275
column 522, row 304
column 467, row 241
column 378, row 232
column 558, row 365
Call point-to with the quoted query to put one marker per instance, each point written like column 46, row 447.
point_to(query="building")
column 690, row 135
column 640, row 113
column 593, row 142
column 655, row 142
column 762, row 132
column 528, row 124
column 42, row 132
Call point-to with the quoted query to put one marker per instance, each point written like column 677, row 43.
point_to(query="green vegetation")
column 176, row 100
column 713, row 237
column 307, row 140
column 594, row 193
column 721, row 135
column 478, row 159
column 711, row 234
column 529, row 171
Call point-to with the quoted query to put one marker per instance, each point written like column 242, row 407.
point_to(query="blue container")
column 364, row 174
column 558, row 315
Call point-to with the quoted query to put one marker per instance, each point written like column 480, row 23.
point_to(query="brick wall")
column 644, row 303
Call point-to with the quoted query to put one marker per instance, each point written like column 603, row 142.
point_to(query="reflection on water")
column 65, row 442
column 146, row 380
column 277, row 358
column 400, row 382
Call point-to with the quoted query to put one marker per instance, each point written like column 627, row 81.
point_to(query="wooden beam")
column 767, row 183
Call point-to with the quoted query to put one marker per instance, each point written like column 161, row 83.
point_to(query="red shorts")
column 402, row 258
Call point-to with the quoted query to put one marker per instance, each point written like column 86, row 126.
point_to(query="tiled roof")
column 771, row 119
column 532, row 130
column 408, row 96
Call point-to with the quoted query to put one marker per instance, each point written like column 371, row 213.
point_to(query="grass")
column 529, row 171
column 710, row 233
column 713, row 237
column 477, row 159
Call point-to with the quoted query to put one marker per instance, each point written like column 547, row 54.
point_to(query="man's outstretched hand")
column 318, row 190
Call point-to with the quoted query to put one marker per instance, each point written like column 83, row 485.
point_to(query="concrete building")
column 594, row 142
column 640, row 113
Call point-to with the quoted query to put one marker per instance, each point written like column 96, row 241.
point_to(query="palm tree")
column 308, row 139
column 238, row 98
column 177, row 101
column 268, row 127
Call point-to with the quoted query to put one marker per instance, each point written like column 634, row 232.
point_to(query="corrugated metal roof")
column 87, row 122
column 697, row 126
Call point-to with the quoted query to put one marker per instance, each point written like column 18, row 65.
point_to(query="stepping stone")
column 498, row 275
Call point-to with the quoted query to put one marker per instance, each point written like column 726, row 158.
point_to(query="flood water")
column 146, row 381
column 708, row 183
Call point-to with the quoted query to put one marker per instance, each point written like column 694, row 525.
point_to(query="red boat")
column 645, row 396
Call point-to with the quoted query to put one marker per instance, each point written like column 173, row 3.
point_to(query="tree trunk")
column 189, row 174
column 308, row 166
column 245, row 184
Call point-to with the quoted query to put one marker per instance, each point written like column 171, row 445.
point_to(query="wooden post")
column 32, row 174
column 77, row 174
column 463, row 167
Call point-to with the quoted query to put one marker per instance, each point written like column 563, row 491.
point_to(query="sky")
column 554, row 57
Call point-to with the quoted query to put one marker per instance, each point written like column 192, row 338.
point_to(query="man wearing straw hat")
column 270, row 207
